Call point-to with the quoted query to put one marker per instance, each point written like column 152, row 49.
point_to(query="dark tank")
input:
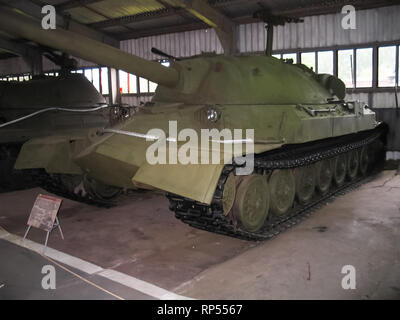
column 42, row 97
column 46, row 105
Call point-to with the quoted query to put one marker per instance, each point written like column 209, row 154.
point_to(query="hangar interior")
column 137, row 248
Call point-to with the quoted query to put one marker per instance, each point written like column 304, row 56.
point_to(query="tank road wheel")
column 352, row 164
column 324, row 175
column 252, row 202
column 228, row 195
column 99, row 190
column 283, row 189
column 305, row 183
column 339, row 169
column 364, row 160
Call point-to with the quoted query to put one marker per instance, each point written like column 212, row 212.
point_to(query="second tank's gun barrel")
column 83, row 47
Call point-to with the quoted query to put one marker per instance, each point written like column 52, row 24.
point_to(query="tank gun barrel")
column 83, row 47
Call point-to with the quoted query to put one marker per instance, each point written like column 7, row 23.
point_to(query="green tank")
column 305, row 142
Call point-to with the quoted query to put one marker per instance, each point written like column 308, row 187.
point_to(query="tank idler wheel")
column 339, row 169
column 252, row 202
column 228, row 195
column 324, row 175
column 364, row 160
column 283, row 189
column 99, row 190
column 305, row 183
column 352, row 164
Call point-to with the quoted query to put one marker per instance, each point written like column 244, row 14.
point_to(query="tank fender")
column 194, row 181
column 54, row 154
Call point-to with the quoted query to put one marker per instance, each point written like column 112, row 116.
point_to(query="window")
column 386, row 66
column 132, row 83
column 346, row 67
column 398, row 66
column 292, row 56
column 123, row 81
column 364, row 67
column 308, row 59
column 325, row 62
column 127, row 82
column 88, row 74
column 104, row 80
column 143, row 85
column 152, row 86
column 96, row 78
column 19, row 78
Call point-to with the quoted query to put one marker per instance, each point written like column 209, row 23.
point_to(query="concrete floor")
column 21, row 277
column 141, row 238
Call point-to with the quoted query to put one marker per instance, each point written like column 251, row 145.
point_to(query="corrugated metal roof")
column 315, row 32
column 131, row 19
column 109, row 9
column 120, row 8
column 55, row 2
column 85, row 15
column 127, row 19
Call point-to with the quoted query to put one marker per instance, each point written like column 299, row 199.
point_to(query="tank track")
column 53, row 184
column 211, row 217
column 11, row 180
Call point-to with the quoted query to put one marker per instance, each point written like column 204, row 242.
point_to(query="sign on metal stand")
column 44, row 215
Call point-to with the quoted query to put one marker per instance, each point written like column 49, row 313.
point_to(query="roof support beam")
column 74, row 4
column 146, row 16
column 35, row 11
column 164, row 30
column 224, row 27
column 17, row 48
column 30, row 54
